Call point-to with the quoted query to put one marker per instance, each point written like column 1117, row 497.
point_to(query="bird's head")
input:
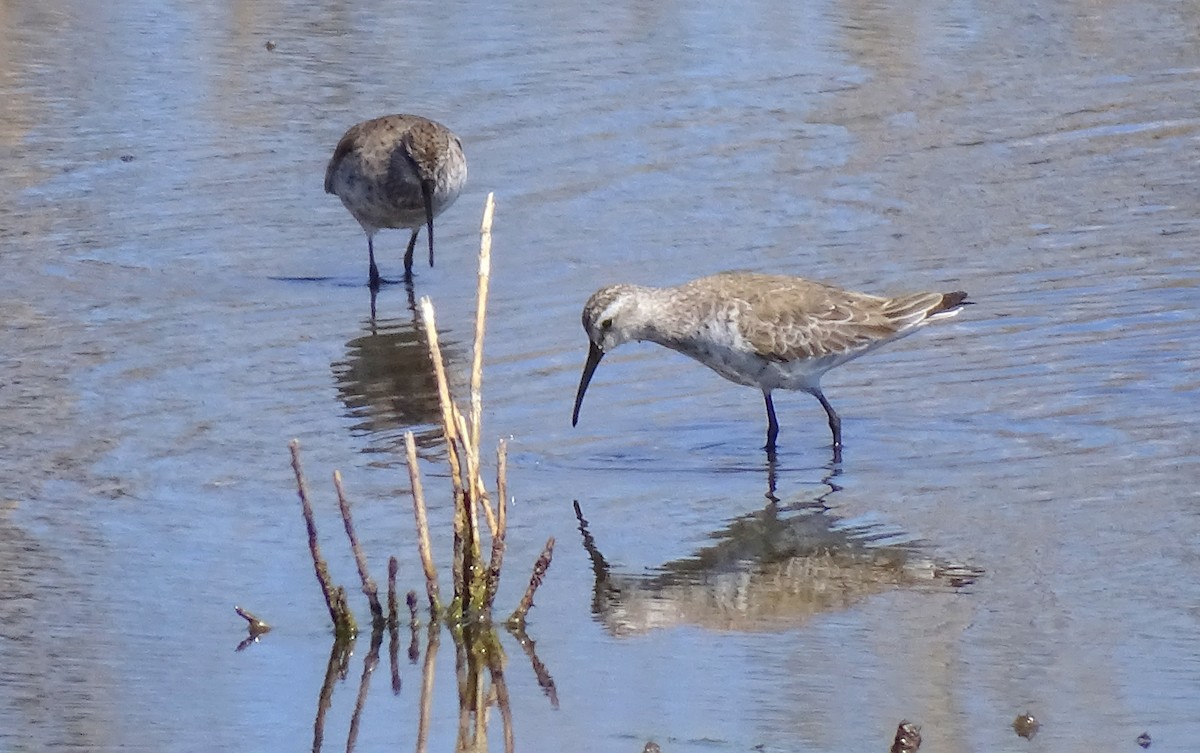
column 610, row 318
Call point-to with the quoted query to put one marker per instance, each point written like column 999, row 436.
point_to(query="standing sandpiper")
column 398, row 171
column 765, row 331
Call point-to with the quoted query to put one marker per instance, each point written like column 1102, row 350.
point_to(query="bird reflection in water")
column 387, row 384
column 773, row 569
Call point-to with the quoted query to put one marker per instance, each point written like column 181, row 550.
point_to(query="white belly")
column 727, row 354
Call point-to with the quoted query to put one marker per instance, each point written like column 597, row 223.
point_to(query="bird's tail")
column 950, row 305
column 911, row 310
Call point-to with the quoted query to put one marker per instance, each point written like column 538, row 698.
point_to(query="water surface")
column 179, row 298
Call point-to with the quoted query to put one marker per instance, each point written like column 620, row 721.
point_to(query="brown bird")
column 765, row 331
column 398, row 171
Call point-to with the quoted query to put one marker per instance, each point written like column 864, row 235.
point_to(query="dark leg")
column 408, row 254
column 835, row 425
column 771, row 474
column 374, row 270
column 772, row 427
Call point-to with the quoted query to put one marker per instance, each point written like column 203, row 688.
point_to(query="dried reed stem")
column 450, row 431
column 472, row 515
column 346, row 628
column 474, row 479
column 539, row 573
column 485, row 271
column 339, row 613
column 414, row 475
column 500, row 528
column 368, row 584
column 502, row 485
column 414, row 648
column 449, row 426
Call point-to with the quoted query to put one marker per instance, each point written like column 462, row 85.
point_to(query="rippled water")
column 1015, row 524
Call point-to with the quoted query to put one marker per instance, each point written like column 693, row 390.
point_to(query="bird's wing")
column 799, row 319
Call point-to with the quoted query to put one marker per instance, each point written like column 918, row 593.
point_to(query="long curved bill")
column 427, row 195
column 589, row 368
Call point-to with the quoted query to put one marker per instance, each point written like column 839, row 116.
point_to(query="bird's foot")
column 381, row 282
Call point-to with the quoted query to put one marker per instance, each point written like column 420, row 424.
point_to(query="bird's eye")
column 607, row 323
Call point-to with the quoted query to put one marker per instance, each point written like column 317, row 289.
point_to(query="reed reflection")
column 773, row 569
column 480, row 663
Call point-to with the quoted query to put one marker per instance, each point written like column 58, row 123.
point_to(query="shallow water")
column 1014, row 526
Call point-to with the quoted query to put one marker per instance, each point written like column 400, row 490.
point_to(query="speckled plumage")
column 765, row 331
column 397, row 171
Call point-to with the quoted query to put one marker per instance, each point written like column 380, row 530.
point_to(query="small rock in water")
column 270, row 45
column 908, row 738
column 1026, row 726
column 1144, row 740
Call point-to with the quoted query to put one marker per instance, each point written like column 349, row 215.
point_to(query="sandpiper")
column 398, row 171
column 765, row 331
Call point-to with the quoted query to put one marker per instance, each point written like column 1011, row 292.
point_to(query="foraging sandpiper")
column 398, row 171
column 765, row 331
